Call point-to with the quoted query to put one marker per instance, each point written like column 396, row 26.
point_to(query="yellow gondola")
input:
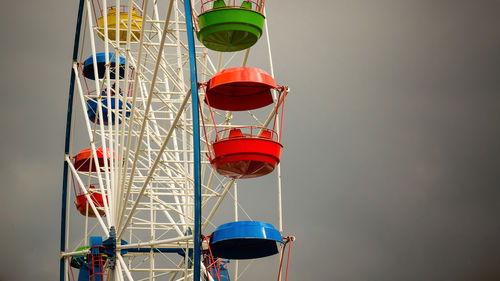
column 136, row 25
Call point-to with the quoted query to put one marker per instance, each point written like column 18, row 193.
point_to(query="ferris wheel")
column 151, row 153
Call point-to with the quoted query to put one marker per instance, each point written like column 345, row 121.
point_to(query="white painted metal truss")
column 149, row 181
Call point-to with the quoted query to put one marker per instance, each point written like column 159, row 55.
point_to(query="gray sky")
column 392, row 137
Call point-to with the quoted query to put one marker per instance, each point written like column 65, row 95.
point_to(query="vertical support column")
column 67, row 140
column 196, row 143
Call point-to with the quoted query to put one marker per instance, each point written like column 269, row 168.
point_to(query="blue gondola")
column 93, row 110
column 245, row 240
column 219, row 272
column 88, row 66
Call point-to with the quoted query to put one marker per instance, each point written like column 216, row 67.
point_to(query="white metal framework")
column 149, row 180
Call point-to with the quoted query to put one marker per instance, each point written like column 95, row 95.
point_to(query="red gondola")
column 84, row 161
column 246, row 155
column 82, row 203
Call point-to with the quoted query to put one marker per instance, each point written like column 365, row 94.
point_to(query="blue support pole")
column 196, row 142
column 178, row 251
column 67, row 139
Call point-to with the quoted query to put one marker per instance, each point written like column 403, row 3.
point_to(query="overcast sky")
column 391, row 167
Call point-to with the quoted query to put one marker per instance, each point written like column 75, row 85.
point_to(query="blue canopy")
column 245, row 240
column 88, row 66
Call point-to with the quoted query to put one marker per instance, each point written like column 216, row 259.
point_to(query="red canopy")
column 240, row 88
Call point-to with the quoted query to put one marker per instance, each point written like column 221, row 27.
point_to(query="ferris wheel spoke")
column 164, row 206
column 176, row 242
column 136, row 80
column 124, row 267
column 144, row 124
column 217, row 204
column 155, row 127
column 69, row 254
column 153, row 168
column 169, row 207
column 163, row 67
column 175, row 198
column 157, row 275
column 170, row 219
